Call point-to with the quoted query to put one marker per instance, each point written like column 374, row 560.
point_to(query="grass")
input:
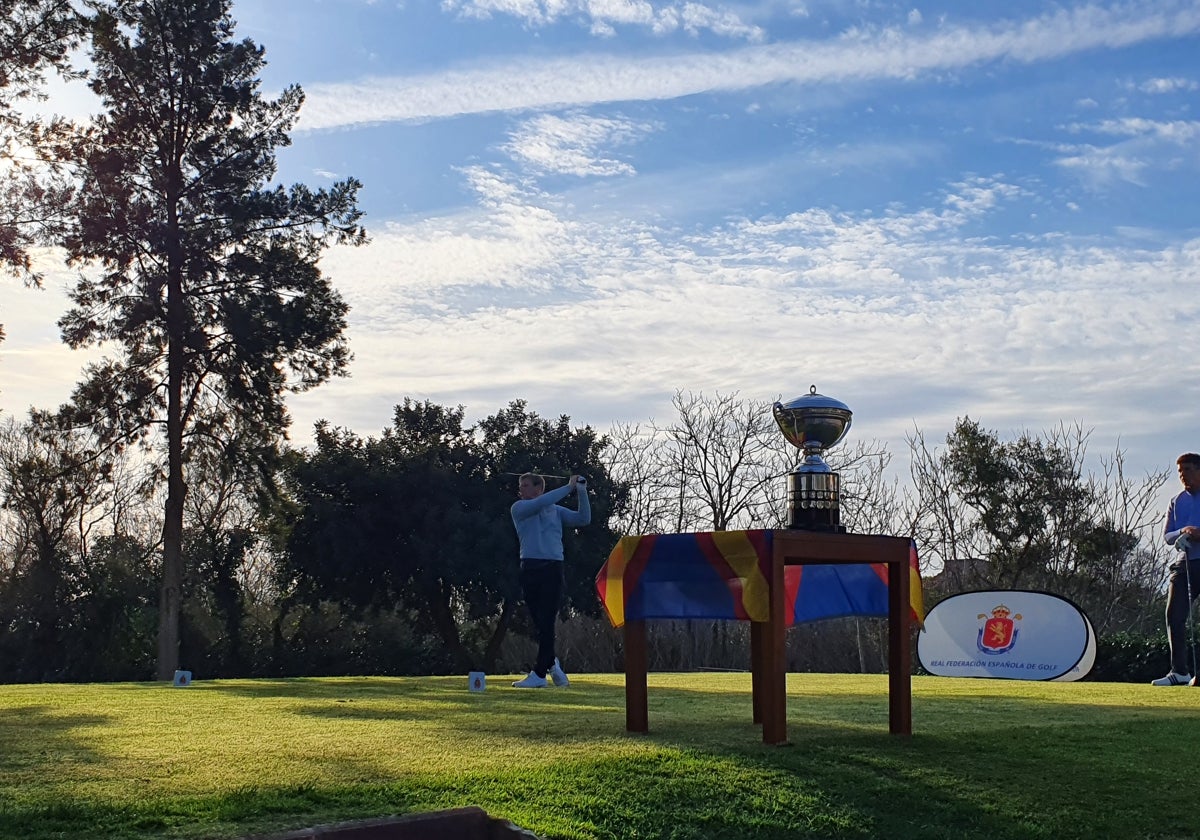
column 226, row 758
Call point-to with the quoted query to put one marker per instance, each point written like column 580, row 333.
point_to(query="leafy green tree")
column 214, row 611
column 518, row 440
column 54, row 489
column 1027, row 494
column 1025, row 514
column 36, row 37
column 419, row 517
column 111, row 636
column 204, row 275
column 387, row 520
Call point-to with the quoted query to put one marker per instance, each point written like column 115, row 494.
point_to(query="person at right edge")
column 539, row 521
column 1182, row 530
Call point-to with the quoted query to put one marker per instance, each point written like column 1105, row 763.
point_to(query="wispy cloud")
column 1145, row 144
column 530, row 298
column 570, row 145
column 603, row 17
column 1168, row 85
column 524, row 84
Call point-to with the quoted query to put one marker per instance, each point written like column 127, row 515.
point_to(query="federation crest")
column 998, row 633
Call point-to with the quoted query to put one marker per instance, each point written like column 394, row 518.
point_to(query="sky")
column 926, row 210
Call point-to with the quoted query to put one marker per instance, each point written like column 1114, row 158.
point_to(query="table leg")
column 637, row 714
column 758, row 641
column 899, row 650
column 774, row 663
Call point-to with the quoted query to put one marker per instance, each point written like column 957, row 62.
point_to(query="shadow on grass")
column 981, row 765
column 838, row 785
column 33, row 736
column 673, row 710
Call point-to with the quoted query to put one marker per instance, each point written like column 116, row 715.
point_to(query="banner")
column 1089, row 657
column 725, row 575
column 1007, row 634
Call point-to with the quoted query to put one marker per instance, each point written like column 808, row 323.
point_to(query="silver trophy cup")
column 813, row 423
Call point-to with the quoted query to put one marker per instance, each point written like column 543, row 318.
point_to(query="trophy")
column 813, row 423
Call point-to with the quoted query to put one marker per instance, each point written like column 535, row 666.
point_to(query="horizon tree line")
column 395, row 553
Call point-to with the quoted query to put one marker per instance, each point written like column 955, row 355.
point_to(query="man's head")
column 530, row 486
column 1189, row 471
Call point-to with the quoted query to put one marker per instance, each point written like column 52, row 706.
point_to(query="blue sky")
column 927, row 210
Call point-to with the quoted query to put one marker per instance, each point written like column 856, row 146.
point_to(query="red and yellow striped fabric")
column 724, row 575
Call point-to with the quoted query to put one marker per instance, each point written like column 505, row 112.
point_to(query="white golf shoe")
column 1172, row 678
column 532, row 681
column 558, row 675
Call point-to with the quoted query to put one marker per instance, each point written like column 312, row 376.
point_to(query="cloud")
column 528, row 298
column 602, row 17
column 568, row 145
column 858, row 56
column 1169, row 85
column 1145, row 144
column 904, row 315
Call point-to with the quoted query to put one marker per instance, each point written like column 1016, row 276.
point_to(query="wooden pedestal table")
column 768, row 664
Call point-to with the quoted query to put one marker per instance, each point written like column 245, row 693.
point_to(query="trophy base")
column 813, row 502
column 826, row 529
column 815, row 520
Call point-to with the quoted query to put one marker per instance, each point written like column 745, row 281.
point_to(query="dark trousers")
column 1179, row 602
column 542, row 584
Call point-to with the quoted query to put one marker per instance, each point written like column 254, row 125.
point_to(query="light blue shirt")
column 540, row 521
column 1184, row 510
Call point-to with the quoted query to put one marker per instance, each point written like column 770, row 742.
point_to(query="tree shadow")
column 981, row 764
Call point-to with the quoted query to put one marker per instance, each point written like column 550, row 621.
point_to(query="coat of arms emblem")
column 998, row 633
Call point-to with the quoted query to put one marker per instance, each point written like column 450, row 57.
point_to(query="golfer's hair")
column 537, row 481
column 1188, row 458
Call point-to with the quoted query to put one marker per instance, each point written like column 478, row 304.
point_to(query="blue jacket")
column 540, row 521
column 1184, row 510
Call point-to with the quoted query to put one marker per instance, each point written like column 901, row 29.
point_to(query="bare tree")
column 939, row 520
column 721, row 463
column 634, row 458
column 723, row 459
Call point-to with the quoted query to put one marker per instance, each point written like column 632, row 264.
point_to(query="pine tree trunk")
column 171, row 595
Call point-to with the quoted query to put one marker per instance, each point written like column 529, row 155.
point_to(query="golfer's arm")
column 1171, row 531
column 583, row 516
column 525, row 508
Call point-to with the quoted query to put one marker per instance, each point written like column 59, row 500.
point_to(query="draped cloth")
column 726, row 575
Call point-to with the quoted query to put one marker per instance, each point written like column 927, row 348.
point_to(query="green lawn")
column 220, row 759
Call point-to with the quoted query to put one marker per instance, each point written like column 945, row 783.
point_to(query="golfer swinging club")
column 539, row 520
column 1182, row 530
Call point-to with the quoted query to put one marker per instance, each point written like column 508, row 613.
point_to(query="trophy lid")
column 813, row 421
column 813, row 400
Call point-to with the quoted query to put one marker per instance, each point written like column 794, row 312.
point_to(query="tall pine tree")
column 200, row 274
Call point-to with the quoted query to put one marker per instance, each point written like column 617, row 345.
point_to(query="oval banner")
column 1006, row 634
column 1089, row 657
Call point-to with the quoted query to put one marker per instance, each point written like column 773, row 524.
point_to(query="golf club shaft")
column 1191, row 621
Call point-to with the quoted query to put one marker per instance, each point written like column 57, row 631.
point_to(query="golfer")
column 539, row 520
column 1182, row 530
